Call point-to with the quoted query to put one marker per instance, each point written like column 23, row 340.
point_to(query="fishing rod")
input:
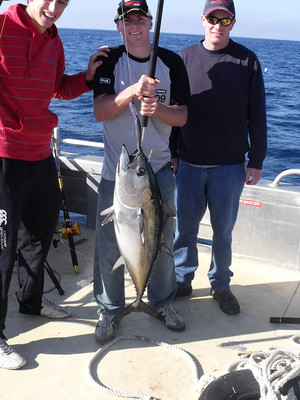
column 284, row 320
column 153, row 54
column 68, row 230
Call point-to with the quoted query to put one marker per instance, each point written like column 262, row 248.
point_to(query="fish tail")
column 137, row 306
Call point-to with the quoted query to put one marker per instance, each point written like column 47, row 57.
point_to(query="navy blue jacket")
column 227, row 114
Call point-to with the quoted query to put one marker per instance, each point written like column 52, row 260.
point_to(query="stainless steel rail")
column 75, row 142
column 284, row 174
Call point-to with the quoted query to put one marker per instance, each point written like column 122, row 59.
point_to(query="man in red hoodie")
column 32, row 68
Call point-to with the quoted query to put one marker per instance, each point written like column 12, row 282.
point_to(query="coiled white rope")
column 296, row 340
column 272, row 370
column 137, row 395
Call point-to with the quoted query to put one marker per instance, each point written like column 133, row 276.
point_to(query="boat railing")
column 100, row 145
column 74, row 142
column 284, row 174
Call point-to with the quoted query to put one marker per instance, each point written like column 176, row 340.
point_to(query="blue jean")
column 109, row 287
column 220, row 189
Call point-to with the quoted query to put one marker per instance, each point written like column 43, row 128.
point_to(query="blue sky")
column 271, row 19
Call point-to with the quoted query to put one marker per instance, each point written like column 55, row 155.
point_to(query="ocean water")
column 280, row 62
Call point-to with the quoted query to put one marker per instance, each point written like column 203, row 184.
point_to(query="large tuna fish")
column 139, row 217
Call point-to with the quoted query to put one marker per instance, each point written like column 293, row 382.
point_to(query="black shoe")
column 183, row 291
column 227, row 301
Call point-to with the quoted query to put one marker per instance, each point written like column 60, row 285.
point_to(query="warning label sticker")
column 251, row 203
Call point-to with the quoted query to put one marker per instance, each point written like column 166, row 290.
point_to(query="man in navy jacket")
column 226, row 120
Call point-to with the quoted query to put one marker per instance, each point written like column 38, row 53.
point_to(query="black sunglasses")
column 222, row 21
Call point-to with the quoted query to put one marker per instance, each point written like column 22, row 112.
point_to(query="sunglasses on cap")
column 222, row 21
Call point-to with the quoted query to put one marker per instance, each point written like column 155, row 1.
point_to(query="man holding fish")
column 121, row 80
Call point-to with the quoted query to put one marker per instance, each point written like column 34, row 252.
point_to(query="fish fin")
column 137, row 306
column 107, row 210
column 110, row 215
column 166, row 250
column 167, row 213
column 117, row 264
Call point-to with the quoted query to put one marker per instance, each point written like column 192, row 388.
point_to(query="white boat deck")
column 58, row 352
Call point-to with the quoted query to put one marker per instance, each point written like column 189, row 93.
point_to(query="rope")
column 272, row 370
column 137, row 395
column 296, row 340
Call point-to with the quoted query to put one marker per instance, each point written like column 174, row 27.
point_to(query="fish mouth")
column 123, row 160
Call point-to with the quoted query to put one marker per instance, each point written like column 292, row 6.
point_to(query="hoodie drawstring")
column 2, row 28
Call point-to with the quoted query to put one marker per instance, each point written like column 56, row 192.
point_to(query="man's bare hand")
column 253, row 176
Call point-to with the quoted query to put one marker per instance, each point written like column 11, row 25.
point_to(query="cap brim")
column 219, row 9
column 133, row 9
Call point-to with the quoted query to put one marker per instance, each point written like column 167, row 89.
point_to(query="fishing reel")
column 73, row 229
column 65, row 230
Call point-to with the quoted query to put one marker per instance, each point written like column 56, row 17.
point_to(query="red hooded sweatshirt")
column 32, row 69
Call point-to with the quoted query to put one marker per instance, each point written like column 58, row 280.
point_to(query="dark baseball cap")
column 214, row 5
column 132, row 5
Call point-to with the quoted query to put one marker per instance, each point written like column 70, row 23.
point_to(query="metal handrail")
column 80, row 142
column 76, row 142
column 100, row 145
column 284, row 174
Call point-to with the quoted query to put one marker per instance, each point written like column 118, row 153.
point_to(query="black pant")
column 29, row 208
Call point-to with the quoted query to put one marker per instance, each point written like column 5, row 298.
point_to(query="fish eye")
column 141, row 172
